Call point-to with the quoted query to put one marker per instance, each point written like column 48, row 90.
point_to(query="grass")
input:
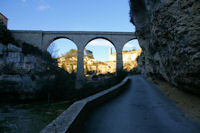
column 31, row 117
column 43, row 114
column 5, row 128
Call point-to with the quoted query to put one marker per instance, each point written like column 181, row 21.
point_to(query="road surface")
column 140, row 109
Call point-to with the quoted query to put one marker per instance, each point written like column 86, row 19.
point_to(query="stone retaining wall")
column 68, row 120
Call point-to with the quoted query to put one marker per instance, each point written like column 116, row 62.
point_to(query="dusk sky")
column 70, row 15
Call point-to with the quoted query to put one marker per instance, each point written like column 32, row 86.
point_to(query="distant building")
column 3, row 20
column 112, row 56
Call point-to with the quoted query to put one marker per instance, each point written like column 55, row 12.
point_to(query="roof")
column 3, row 16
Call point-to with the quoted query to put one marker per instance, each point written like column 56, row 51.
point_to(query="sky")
column 68, row 15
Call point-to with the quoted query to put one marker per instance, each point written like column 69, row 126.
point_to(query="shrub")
column 5, row 35
column 61, row 87
column 95, row 77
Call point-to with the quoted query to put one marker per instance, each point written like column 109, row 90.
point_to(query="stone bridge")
column 42, row 39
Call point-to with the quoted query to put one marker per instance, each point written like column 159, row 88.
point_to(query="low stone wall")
column 71, row 117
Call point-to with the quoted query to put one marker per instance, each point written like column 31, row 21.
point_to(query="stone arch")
column 105, row 66
column 65, row 52
column 130, row 52
column 131, row 39
column 60, row 37
column 105, row 38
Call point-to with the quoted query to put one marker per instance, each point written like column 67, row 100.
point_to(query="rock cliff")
column 17, row 71
column 28, row 73
column 169, row 33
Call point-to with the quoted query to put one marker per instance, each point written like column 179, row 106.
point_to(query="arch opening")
column 99, row 58
column 131, row 52
column 65, row 52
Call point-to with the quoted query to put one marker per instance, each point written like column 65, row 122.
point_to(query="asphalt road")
column 140, row 109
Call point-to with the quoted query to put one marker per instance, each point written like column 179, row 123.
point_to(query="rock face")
column 25, row 73
column 169, row 33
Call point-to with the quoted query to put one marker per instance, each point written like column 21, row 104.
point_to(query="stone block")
column 29, row 59
column 13, row 57
column 13, row 48
column 2, row 49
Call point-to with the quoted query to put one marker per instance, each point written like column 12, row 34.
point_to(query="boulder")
column 13, row 57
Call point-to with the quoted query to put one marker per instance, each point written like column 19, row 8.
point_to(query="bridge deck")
column 140, row 109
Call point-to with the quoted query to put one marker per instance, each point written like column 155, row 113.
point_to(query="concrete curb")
column 65, row 122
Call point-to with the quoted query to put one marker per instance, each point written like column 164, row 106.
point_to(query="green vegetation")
column 99, row 83
column 31, row 117
column 60, row 87
column 74, row 53
column 71, row 53
column 5, row 35
column 89, row 54
column 42, row 114
column 5, row 128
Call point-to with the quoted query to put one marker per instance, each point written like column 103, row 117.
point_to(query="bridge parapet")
column 31, row 37
column 42, row 39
